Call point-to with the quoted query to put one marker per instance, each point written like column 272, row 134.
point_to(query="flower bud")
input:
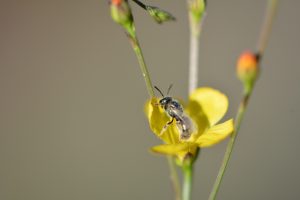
column 121, row 12
column 247, row 69
column 196, row 14
column 197, row 9
column 159, row 15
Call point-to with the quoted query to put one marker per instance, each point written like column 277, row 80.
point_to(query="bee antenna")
column 169, row 88
column 159, row 91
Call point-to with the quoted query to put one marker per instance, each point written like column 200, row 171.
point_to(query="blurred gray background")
column 72, row 125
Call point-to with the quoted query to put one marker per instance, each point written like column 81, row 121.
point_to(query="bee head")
column 164, row 101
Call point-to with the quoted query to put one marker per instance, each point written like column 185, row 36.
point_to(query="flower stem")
column 139, row 54
column 265, row 32
column 138, row 51
column 240, row 115
column 195, row 32
column 174, row 178
column 193, row 67
column 187, row 181
column 267, row 26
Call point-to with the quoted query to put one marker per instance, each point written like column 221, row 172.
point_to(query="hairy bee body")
column 174, row 109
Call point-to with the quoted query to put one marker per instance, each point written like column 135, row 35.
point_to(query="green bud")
column 121, row 13
column 156, row 13
column 159, row 15
column 197, row 9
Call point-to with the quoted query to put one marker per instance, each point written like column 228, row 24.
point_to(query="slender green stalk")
column 195, row 33
column 174, row 178
column 137, row 49
column 239, row 117
column 121, row 13
column 139, row 54
column 193, row 66
column 187, row 181
column 265, row 32
column 267, row 26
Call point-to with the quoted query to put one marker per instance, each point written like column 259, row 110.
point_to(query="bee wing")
column 189, row 123
column 178, row 113
column 186, row 127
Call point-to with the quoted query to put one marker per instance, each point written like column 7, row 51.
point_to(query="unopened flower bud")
column 247, row 69
column 196, row 14
column 121, row 12
column 197, row 9
column 159, row 15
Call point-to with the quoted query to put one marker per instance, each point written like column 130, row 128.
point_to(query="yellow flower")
column 205, row 108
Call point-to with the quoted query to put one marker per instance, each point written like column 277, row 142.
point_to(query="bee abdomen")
column 185, row 128
column 186, row 133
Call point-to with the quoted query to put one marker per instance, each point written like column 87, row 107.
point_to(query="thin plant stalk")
column 187, row 181
column 195, row 32
column 121, row 14
column 194, row 60
column 139, row 54
column 265, row 33
column 229, row 149
column 174, row 178
column 267, row 26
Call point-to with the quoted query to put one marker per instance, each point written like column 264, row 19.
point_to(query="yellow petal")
column 196, row 113
column 158, row 119
column 215, row 134
column 171, row 149
column 213, row 103
column 179, row 150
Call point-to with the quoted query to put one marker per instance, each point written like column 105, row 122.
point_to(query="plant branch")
column 265, row 33
column 195, row 32
column 139, row 54
column 240, row 115
column 267, row 26
column 193, row 66
column 174, row 178
column 187, row 181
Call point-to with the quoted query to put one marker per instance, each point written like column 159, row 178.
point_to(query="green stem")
column 262, row 41
column 139, row 54
column 195, row 33
column 193, row 66
column 187, row 181
column 131, row 33
column 174, row 178
column 239, row 117
column 265, row 33
column 267, row 26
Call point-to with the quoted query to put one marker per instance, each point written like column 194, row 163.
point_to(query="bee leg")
column 165, row 127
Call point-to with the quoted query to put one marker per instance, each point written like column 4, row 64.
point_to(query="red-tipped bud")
column 116, row 2
column 120, row 12
column 247, row 69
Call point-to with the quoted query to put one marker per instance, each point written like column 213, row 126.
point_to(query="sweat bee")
column 174, row 109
